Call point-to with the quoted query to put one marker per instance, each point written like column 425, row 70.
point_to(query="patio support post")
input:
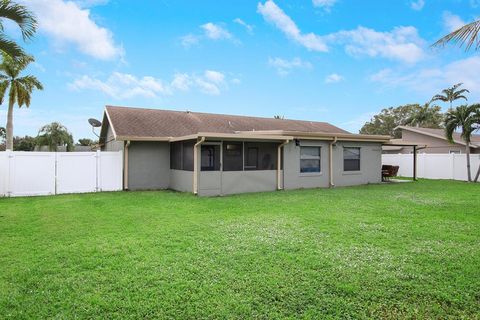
column 331, row 183
column 195, row 165
column 125, row 165
column 279, row 164
column 414, row 163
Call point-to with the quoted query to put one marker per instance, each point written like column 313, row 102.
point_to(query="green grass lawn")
column 405, row 250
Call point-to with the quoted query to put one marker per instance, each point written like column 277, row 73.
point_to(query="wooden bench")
column 389, row 171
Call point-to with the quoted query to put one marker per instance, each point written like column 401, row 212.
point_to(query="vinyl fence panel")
column 110, row 169
column 76, row 172
column 434, row 166
column 31, row 174
column 44, row 173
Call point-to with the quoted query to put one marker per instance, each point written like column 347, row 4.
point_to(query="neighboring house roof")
column 440, row 134
column 167, row 123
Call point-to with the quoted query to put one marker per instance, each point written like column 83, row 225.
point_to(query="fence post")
column 9, row 178
column 98, row 179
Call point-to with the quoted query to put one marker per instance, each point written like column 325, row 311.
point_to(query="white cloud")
column 91, row 3
column 433, row 80
column 417, row 5
column 214, row 76
column 275, row 15
column 215, row 32
column 402, row 43
column 189, row 40
column 452, row 22
column 125, row 86
column 247, row 26
column 284, row 67
column 181, row 81
column 211, row 31
column 67, row 22
column 333, row 78
column 325, row 4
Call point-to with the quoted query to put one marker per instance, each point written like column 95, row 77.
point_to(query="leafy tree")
column 3, row 135
column 464, row 118
column 467, row 34
column 426, row 116
column 388, row 119
column 26, row 143
column 20, row 88
column 85, row 142
column 54, row 135
column 451, row 94
column 25, row 20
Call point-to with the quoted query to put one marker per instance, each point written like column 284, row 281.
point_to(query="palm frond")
column 10, row 47
column 30, row 82
column 3, row 88
column 466, row 35
column 20, row 14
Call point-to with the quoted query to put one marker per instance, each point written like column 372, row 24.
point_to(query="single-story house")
column 217, row 154
column 432, row 140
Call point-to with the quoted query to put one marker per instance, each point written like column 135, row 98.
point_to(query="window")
column 210, row 158
column 260, row 156
column 309, row 159
column 232, row 156
column 454, row 152
column 351, row 159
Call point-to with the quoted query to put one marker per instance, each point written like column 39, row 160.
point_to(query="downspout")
column 195, row 165
column 330, row 163
column 279, row 163
column 125, row 165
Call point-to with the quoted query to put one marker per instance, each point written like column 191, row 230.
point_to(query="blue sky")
column 329, row 60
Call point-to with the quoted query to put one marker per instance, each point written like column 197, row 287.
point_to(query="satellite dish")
column 94, row 123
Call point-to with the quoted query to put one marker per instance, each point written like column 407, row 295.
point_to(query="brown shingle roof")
column 440, row 133
column 138, row 122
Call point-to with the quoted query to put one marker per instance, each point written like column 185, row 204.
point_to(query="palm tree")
column 24, row 18
column 54, row 135
column 451, row 94
column 468, row 34
column 463, row 118
column 426, row 116
column 20, row 88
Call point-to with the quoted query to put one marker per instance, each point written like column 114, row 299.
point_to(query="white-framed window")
column 454, row 152
column 351, row 159
column 310, row 159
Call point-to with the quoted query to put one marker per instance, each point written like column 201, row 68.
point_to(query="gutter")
column 279, row 163
column 125, row 165
column 195, row 165
column 330, row 163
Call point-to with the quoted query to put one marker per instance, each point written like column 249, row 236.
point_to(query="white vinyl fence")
column 434, row 166
column 46, row 173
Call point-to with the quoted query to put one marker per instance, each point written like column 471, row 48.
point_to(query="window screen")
column 310, row 159
column 188, row 155
column 210, row 158
column 232, row 156
column 176, row 156
column 260, row 156
column 351, row 159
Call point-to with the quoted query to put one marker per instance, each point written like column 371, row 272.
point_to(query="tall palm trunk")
column 9, row 145
column 467, row 153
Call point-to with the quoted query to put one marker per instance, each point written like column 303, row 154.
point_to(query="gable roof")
column 137, row 123
column 440, row 134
